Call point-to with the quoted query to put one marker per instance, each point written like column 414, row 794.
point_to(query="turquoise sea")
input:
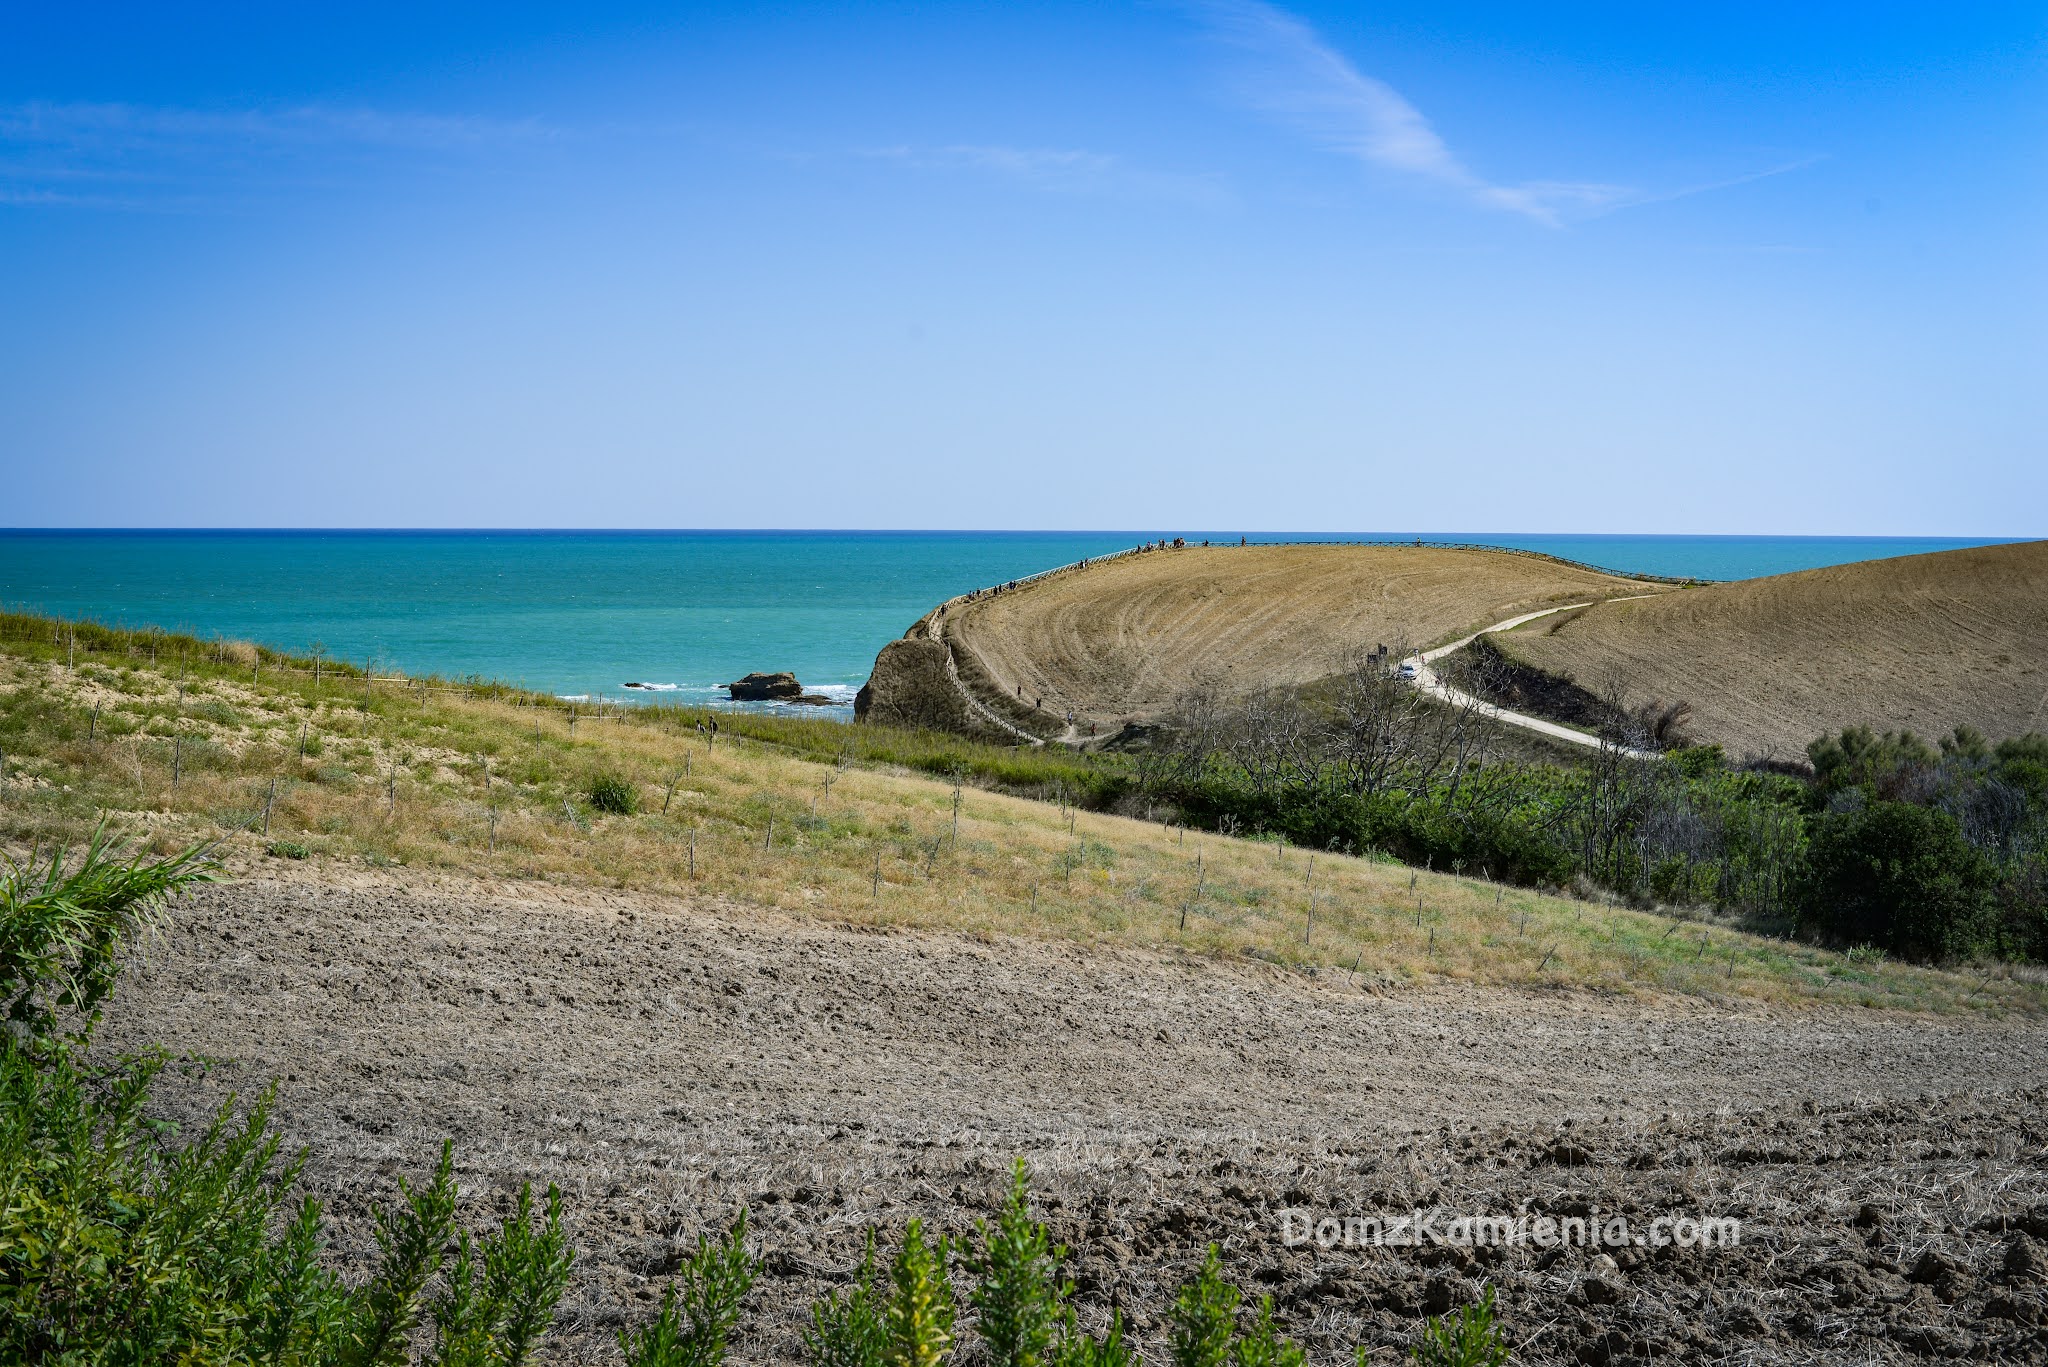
column 584, row 612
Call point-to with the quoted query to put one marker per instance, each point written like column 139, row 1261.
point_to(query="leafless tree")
column 1276, row 739
column 1197, row 726
column 1371, row 715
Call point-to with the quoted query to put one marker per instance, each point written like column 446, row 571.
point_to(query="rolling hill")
column 1119, row 640
column 1926, row 642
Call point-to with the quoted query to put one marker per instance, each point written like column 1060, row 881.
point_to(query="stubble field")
column 668, row 1060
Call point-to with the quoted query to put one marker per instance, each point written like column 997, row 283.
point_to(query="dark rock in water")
column 766, row 688
column 814, row 699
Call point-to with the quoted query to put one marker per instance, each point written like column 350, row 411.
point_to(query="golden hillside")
column 1923, row 641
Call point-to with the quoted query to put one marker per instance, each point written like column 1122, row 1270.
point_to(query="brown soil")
column 1120, row 640
column 666, row 1061
column 1926, row 642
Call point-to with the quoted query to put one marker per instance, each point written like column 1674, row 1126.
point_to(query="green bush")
column 613, row 794
column 118, row 1247
column 700, row 1309
column 919, row 1319
column 1262, row 1345
column 851, row 1330
column 2023, row 909
column 502, row 1290
column 1204, row 1316
column 1202, row 1325
column 62, row 928
column 1021, row 1303
column 287, row 849
column 1900, row 877
column 1017, row 1301
column 1022, row 1315
column 1469, row 1338
column 1861, row 758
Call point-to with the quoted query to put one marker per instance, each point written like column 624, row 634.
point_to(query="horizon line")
column 1381, row 533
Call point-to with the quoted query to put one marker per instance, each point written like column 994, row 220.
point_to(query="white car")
column 1408, row 670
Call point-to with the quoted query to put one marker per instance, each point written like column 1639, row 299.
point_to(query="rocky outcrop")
column 910, row 687
column 766, row 688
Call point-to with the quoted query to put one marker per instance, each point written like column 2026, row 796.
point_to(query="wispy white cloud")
column 1060, row 171
column 1292, row 74
column 162, row 157
column 116, row 125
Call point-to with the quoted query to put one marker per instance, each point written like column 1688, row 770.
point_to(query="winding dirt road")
column 1432, row 683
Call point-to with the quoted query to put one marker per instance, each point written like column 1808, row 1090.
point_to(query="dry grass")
column 1120, row 640
column 397, row 776
column 1926, row 642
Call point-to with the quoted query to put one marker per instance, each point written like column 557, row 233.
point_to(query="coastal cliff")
column 910, row 687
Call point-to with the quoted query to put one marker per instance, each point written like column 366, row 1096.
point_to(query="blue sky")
column 1744, row 268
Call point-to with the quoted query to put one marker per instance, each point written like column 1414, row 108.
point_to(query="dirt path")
column 1432, row 683
column 935, row 631
column 666, row 1061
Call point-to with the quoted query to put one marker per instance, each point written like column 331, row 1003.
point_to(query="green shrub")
column 920, row 1313
column 118, row 1247
column 2023, row 762
column 1899, row 877
column 1203, row 1322
column 1698, row 761
column 501, row 1291
column 1078, row 1349
column 219, row 713
column 1469, row 1338
column 1021, row 1311
column 62, row 928
column 1263, row 1346
column 1017, row 1300
column 2023, row 909
column 851, row 1330
column 1203, row 1317
column 700, row 1309
column 287, row 849
column 1861, row 758
column 613, row 794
